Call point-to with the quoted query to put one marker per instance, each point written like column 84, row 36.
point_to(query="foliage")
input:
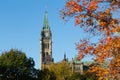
column 99, row 18
column 75, row 76
column 85, row 76
column 46, row 75
column 61, row 70
column 16, row 66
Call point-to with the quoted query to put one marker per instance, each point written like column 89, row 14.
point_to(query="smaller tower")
column 46, row 44
column 65, row 59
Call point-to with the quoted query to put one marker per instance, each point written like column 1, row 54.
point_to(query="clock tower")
column 46, row 44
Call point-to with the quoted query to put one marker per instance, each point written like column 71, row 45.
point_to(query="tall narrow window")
column 48, row 45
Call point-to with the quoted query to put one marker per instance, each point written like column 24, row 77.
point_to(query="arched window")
column 46, row 53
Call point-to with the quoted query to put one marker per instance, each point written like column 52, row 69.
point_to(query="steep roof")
column 46, row 25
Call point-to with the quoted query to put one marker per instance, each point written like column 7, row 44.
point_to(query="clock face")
column 46, row 34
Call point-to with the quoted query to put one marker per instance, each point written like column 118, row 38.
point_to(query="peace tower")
column 46, row 44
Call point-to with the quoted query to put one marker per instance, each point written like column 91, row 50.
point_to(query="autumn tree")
column 98, row 18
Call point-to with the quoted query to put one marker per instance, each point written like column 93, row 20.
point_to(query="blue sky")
column 21, row 22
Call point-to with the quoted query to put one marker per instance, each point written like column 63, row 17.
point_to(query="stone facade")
column 77, row 67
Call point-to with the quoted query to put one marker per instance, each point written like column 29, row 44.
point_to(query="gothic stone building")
column 46, row 48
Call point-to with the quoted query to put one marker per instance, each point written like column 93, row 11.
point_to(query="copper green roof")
column 46, row 25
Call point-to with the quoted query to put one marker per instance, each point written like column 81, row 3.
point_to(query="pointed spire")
column 64, row 56
column 46, row 25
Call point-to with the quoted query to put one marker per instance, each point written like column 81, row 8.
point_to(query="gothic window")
column 48, row 46
column 45, row 45
column 77, row 67
column 46, row 53
column 43, row 54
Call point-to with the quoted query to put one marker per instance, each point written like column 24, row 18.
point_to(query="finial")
column 46, row 6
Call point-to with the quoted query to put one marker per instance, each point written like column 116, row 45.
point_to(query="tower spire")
column 46, row 25
column 64, row 56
